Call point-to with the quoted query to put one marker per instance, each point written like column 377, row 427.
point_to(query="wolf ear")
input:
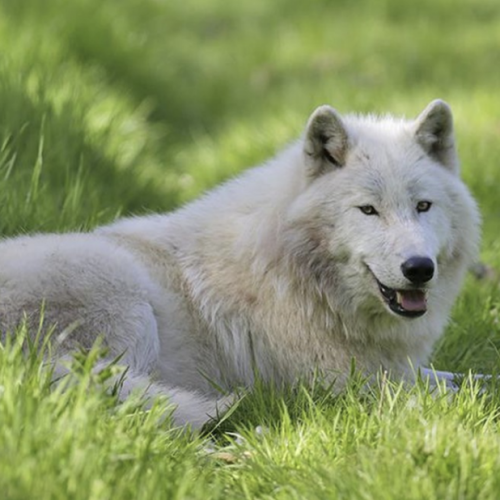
column 326, row 141
column 434, row 132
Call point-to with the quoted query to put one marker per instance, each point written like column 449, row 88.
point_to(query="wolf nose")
column 418, row 269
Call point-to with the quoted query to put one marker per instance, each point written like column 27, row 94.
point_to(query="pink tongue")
column 412, row 300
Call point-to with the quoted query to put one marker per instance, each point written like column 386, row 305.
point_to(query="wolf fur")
column 296, row 265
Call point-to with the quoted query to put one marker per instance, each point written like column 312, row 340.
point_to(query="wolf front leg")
column 450, row 379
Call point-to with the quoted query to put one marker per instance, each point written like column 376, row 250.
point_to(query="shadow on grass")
column 49, row 166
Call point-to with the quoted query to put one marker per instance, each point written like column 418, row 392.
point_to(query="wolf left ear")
column 326, row 141
column 434, row 132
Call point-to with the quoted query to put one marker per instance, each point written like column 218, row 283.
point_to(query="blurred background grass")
column 125, row 107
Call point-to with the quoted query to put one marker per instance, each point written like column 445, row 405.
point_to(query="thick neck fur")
column 245, row 262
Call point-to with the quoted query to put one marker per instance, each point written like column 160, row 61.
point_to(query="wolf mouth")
column 409, row 303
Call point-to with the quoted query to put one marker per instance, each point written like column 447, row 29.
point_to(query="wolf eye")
column 368, row 210
column 423, row 206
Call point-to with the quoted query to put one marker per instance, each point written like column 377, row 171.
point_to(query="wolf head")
column 384, row 224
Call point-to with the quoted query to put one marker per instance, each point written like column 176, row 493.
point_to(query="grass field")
column 112, row 108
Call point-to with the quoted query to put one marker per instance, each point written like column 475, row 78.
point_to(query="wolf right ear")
column 434, row 132
column 326, row 141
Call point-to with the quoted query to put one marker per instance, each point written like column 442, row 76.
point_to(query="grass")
column 116, row 108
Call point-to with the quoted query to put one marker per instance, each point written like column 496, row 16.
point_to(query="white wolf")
column 350, row 244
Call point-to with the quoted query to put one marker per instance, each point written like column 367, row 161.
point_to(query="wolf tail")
column 186, row 408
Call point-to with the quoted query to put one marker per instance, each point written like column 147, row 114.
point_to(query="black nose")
column 418, row 269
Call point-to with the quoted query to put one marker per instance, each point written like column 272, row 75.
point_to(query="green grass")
column 111, row 108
